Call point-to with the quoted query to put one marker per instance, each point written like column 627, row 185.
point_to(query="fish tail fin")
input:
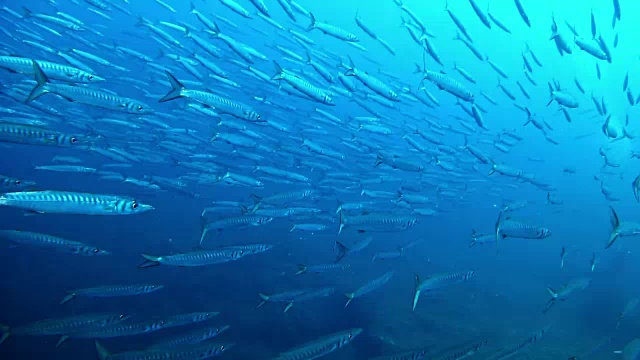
column 176, row 89
column 279, row 72
column 342, row 251
column 216, row 29
column 350, row 297
column 41, row 82
column 150, row 261
column 302, row 268
column 5, row 331
column 292, row 228
column 497, row 228
column 341, row 223
column 256, row 198
column 379, row 160
column 313, row 22
column 192, row 7
column 553, row 293
column 103, row 353
column 264, row 298
column 142, row 21
column 351, row 68
column 67, row 298
column 551, row 302
column 26, row 12
column 615, row 224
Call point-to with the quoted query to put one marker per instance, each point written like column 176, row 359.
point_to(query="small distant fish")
column 320, row 347
column 370, row 286
column 55, row 243
column 112, row 291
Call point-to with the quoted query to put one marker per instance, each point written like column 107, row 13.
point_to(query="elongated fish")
column 51, row 242
column 320, row 268
column 628, row 308
column 320, row 347
column 112, row 291
column 198, row 258
column 507, row 227
column 65, row 202
column 221, row 104
column 84, row 95
column 369, row 286
column 239, row 222
column 331, row 30
column 192, row 337
column 438, row 281
column 61, row 326
column 620, row 229
column 377, row 222
column 145, row 327
column 35, row 135
column 449, row 84
column 291, row 297
column 566, row 290
column 52, row 70
column 303, row 86
column 513, row 350
column 199, row 351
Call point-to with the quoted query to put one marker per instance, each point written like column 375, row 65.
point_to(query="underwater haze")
column 295, row 179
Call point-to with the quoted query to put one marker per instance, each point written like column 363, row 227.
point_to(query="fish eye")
column 17, row 182
column 350, row 335
column 134, row 205
column 139, row 107
column 73, row 140
column 90, row 77
column 221, row 347
column 258, row 116
column 95, row 251
column 121, row 317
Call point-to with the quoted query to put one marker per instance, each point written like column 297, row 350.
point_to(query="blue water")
column 503, row 303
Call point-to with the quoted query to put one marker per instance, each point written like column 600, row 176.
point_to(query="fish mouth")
column 145, row 207
column 97, row 78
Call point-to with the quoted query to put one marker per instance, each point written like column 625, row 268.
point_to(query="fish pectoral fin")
column 287, row 307
column 62, row 340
